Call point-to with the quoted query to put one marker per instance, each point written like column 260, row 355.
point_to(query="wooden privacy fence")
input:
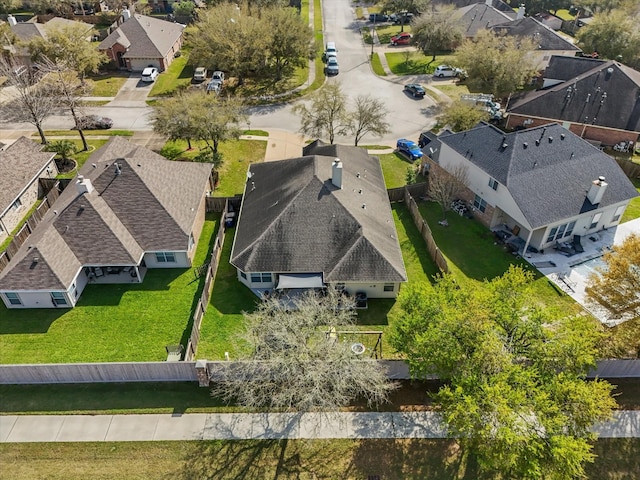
column 416, row 190
column 425, row 231
column 27, row 229
column 631, row 170
column 210, row 275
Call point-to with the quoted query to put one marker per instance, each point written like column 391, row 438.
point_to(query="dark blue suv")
column 410, row 149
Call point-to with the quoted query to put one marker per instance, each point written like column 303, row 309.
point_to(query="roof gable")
column 563, row 68
column 547, row 170
column 607, row 95
column 543, row 36
column 20, row 164
column 479, row 16
column 144, row 37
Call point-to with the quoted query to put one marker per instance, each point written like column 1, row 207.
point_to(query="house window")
column 616, row 216
column 561, row 230
column 165, row 257
column 16, row 205
column 191, row 241
column 479, row 203
column 570, row 229
column 243, row 275
column 73, row 291
column 388, row 287
column 493, row 183
column 13, row 298
column 261, row 278
column 552, row 234
column 565, row 230
column 595, row 220
column 58, row 298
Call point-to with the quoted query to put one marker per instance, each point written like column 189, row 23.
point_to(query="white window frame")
column 389, row 287
column 493, row 183
column 595, row 220
column 618, row 213
column 165, row 257
column 13, row 298
column 16, row 205
column 480, row 203
column 58, row 298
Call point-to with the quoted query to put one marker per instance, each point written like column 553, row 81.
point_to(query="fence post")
column 202, row 370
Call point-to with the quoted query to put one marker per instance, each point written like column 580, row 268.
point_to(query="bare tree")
column 33, row 101
column 296, row 361
column 368, row 116
column 445, row 186
column 326, row 114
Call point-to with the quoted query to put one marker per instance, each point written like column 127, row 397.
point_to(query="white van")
column 330, row 51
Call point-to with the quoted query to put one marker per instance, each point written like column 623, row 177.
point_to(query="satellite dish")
column 358, row 348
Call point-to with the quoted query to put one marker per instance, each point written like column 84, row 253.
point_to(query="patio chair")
column 577, row 246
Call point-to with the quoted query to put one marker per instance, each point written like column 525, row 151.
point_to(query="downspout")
column 526, row 244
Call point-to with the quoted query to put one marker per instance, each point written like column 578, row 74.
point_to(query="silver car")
column 332, row 66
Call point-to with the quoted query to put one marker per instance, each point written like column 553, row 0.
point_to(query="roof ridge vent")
column 525, row 144
column 562, row 135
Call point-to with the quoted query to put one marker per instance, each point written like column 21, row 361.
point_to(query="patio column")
column 526, row 244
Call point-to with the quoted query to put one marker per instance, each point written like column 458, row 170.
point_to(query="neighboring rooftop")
column 20, row 164
column 547, row 169
column 544, row 37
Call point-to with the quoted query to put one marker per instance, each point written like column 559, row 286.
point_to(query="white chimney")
column 336, row 173
column 84, row 185
column 521, row 10
column 12, row 20
column 596, row 191
column 126, row 15
column 489, row 3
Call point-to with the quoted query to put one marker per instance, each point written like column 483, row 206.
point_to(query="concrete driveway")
column 133, row 93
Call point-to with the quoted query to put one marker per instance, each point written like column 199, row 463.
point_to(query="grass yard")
column 74, row 133
column 177, row 76
column 107, row 85
column 385, row 32
column 376, row 65
column 388, row 459
column 81, row 156
column 128, row 323
column 237, row 156
column 394, row 169
column 453, row 91
column 417, row 63
column 633, row 210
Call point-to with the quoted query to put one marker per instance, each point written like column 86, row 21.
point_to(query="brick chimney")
column 336, row 173
column 596, row 191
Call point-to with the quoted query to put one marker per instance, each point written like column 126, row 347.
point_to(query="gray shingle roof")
column 294, row 220
column 151, row 205
column 20, row 164
column 497, row 4
column 479, row 16
column 607, row 95
column 567, row 68
column 547, row 169
column 543, row 36
column 145, row 37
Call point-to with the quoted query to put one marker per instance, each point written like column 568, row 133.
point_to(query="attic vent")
column 36, row 259
column 525, row 144
column 562, row 135
column 358, row 175
column 550, row 139
column 538, row 142
column 94, row 165
column 364, row 206
column 505, row 145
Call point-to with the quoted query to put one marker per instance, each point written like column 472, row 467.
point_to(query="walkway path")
column 237, row 426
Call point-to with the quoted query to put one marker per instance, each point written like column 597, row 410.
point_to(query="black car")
column 378, row 17
column 415, row 90
column 94, row 122
column 403, row 18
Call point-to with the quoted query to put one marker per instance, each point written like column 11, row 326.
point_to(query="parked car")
column 378, row 17
column 415, row 90
column 94, row 122
column 447, row 71
column 332, row 66
column 200, row 74
column 218, row 76
column 149, row 74
column 214, row 87
column 402, row 18
column 409, row 148
column 330, row 51
column 403, row 38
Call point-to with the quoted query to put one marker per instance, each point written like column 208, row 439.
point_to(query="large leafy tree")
column 436, row 31
column 289, row 40
column 294, row 359
column 412, row 6
column 460, row 116
column 216, row 119
column 495, row 63
column 71, row 46
column 368, row 117
column 172, row 117
column 34, row 100
column 617, row 285
column 614, row 35
column 327, row 113
column 515, row 393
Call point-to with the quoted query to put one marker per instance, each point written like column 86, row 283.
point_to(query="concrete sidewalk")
column 238, row 426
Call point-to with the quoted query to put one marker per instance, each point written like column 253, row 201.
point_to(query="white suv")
column 446, row 71
column 149, row 74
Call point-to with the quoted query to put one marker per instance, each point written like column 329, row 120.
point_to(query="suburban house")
column 543, row 184
column 26, row 31
column 548, row 42
column 141, row 41
column 597, row 100
column 129, row 209
column 21, row 165
column 481, row 16
column 323, row 219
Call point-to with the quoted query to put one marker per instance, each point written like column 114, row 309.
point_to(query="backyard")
column 111, row 323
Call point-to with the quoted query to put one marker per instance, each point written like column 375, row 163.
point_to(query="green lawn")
column 81, row 156
column 417, row 64
column 376, row 65
column 388, row 459
column 126, row 322
column 178, row 75
column 237, row 156
column 633, row 210
column 394, row 169
column 107, row 85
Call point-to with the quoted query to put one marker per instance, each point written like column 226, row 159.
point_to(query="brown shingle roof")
column 20, row 164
